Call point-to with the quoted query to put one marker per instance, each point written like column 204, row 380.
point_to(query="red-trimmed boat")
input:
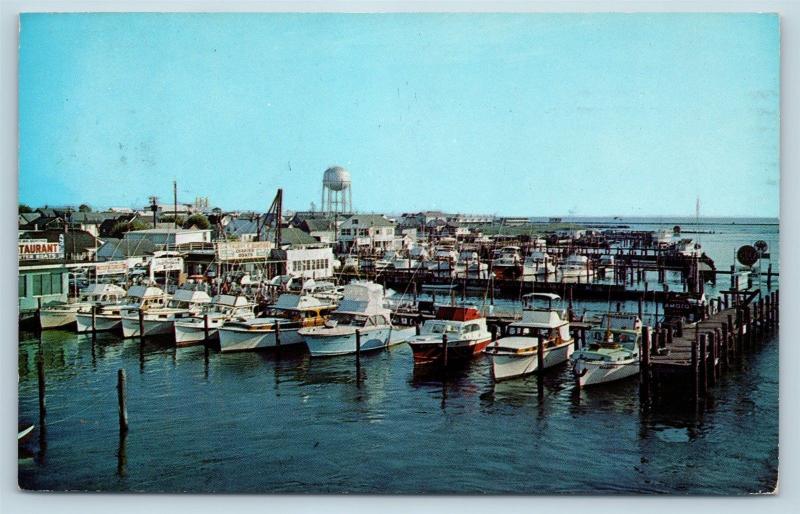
column 466, row 333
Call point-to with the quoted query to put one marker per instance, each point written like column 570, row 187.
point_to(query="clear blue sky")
column 596, row 114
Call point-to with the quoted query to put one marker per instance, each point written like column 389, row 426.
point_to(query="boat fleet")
column 329, row 320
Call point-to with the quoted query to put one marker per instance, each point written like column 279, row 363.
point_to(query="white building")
column 173, row 236
column 309, row 262
column 373, row 231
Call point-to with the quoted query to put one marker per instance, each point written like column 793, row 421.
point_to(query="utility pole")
column 175, row 202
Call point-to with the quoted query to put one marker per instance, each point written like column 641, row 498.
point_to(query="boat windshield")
column 344, row 318
column 442, row 328
column 527, row 331
column 178, row 304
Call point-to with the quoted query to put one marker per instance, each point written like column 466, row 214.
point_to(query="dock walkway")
column 690, row 359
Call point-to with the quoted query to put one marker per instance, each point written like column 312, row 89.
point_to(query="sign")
column 111, row 268
column 237, row 250
column 166, row 264
column 747, row 255
column 35, row 249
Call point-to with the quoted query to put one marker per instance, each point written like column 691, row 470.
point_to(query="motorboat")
column 576, row 267
column 538, row 263
column 470, row 265
column 466, row 332
column 93, row 296
column 507, row 262
column 277, row 326
column 612, row 351
column 516, row 353
column 206, row 324
column 159, row 320
column 109, row 317
column 362, row 314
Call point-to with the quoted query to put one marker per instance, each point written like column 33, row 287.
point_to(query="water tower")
column 336, row 193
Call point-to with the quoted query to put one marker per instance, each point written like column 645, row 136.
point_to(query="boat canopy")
column 296, row 302
column 103, row 289
column 191, row 296
column 230, row 300
column 363, row 298
column 552, row 297
column 458, row 313
column 145, row 292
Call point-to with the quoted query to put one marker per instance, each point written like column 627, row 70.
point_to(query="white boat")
column 538, row 264
column 64, row 314
column 387, row 259
column 109, row 317
column 223, row 308
column 326, row 291
column 576, row 267
column 516, row 354
column 290, row 313
column 363, row 309
column 158, row 320
column 612, row 351
column 470, row 265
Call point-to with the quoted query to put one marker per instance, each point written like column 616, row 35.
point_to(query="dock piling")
column 444, row 350
column 122, row 401
column 358, row 350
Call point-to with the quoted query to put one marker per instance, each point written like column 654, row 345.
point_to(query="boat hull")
column 509, row 365
column 321, row 345
column 57, row 318
column 598, row 372
column 429, row 353
column 192, row 333
column 130, row 327
column 102, row 322
column 233, row 339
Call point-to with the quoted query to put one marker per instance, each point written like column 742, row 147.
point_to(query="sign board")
column 238, row 250
column 35, row 249
column 111, row 268
column 166, row 264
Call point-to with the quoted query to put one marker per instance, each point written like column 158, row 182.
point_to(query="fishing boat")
column 612, row 352
column 65, row 314
column 469, row 265
column 516, row 354
column 466, row 333
column 280, row 323
column 362, row 309
column 159, row 320
column 109, row 317
column 223, row 308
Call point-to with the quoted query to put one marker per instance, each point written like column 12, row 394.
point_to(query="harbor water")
column 284, row 423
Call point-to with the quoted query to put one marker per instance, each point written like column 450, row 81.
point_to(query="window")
column 55, row 283
column 23, row 286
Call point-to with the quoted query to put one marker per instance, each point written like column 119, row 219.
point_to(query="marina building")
column 367, row 231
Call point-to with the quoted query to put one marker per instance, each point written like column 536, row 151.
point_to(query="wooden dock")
column 684, row 362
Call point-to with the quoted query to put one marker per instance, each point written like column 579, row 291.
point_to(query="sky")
column 507, row 114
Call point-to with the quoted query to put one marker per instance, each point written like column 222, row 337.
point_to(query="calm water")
column 254, row 422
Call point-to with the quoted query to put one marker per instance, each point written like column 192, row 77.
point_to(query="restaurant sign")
column 40, row 249
column 238, row 250
column 166, row 264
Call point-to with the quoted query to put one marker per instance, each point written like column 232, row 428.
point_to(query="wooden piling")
column 714, row 350
column 42, row 387
column 444, row 350
column 540, row 356
column 703, row 365
column 644, row 349
column 205, row 326
column 94, row 319
column 141, row 324
column 695, row 371
column 769, row 276
column 278, row 334
column 358, row 349
column 122, row 400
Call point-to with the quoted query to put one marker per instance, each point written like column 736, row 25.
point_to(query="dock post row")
column 686, row 362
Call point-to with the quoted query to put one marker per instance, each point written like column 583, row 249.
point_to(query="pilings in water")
column 687, row 362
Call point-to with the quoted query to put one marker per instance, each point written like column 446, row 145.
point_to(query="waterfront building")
column 367, row 231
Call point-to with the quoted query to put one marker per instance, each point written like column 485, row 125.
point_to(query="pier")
column 680, row 363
